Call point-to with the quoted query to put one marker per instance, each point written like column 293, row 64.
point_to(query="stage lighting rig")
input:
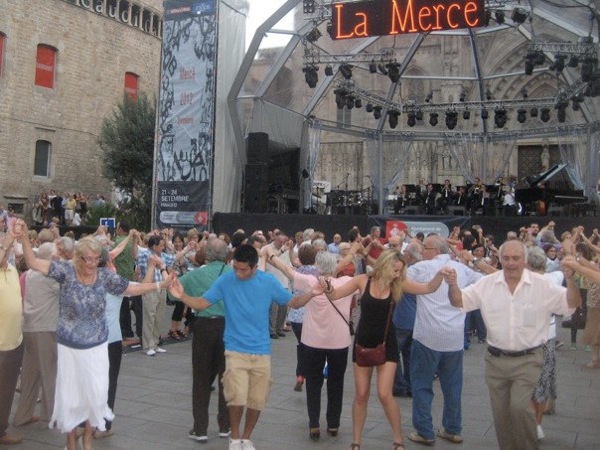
column 382, row 69
column 377, row 112
column 313, row 35
column 484, row 114
column 369, row 107
column 533, row 112
column 500, row 117
column 328, row 70
column 561, row 111
column 519, row 15
column 393, row 118
column 419, row 115
column 521, row 115
column 558, row 64
column 393, row 71
column 411, row 121
column 340, row 98
column 466, row 114
column 429, row 97
column 499, row 16
column 545, row 114
column 308, row 6
column 350, row 101
column 346, row 71
column 451, row 119
column 311, row 76
column 433, row 119
column 358, row 103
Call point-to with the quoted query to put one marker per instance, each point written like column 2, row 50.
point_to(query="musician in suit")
column 474, row 195
column 402, row 200
column 429, row 203
column 421, row 194
column 460, row 198
column 483, row 202
column 445, row 199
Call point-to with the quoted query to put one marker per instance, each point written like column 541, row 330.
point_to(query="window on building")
column 45, row 66
column 131, row 85
column 2, row 46
column 41, row 165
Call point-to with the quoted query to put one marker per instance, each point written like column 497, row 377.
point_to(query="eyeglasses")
column 90, row 259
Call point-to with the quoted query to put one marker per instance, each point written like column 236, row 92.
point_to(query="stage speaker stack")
column 256, row 187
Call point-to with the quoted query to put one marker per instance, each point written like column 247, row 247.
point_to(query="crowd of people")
column 405, row 308
column 68, row 208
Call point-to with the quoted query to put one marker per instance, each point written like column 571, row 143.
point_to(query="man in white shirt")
column 438, row 341
column 516, row 305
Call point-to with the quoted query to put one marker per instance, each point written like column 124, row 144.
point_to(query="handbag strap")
column 338, row 311
column 387, row 324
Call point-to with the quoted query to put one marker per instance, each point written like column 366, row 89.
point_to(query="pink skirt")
column 81, row 388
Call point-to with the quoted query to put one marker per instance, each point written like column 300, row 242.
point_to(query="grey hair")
column 320, row 244
column 439, row 243
column 68, row 243
column 46, row 251
column 326, row 263
column 513, row 242
column 307, row 234
column 216, row 250
column 536, row 259
column 415, row 250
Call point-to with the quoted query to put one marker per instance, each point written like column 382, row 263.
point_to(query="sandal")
column 332, row 432
column 174, row 335
column 354, row 446
column 398, row 445
column 181, row 334
column 315, row 434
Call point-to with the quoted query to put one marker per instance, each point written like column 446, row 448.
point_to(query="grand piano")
column 536, row 198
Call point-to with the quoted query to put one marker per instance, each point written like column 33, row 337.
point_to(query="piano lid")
column 536, row 180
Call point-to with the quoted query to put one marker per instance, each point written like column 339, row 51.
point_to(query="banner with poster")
column 391, row 226
column 186, row 114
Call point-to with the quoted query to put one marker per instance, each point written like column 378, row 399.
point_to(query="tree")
column 127, row 139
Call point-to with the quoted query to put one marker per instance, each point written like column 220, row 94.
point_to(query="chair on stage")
column 457, row 210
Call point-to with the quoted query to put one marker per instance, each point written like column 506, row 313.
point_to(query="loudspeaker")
column 257, row 148
column 256, row 187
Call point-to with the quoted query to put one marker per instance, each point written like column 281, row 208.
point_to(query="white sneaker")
column 224, row 434
column 160, row 350
column 235, row 444
column 151, row 352
column 540, row 432
column 247, row 444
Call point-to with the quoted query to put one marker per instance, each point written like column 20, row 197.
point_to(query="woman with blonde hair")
column 379, row 292
column 81, row 333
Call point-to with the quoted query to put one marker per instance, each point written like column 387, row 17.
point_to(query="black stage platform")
column 330, row 224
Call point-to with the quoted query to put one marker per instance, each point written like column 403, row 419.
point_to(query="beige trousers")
column 153, row 309
column 511, row 381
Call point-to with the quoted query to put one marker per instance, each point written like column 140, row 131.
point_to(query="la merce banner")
column 186, row 114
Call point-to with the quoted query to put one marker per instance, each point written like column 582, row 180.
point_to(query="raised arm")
column 356, row 283
column 454, row 293
column 134, row 289
column 412, row 287
column 288, row 271
column 19, row 231
column 119, row 248
column 198, row 303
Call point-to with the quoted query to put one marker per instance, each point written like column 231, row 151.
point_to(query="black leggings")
column 115, row 352
column 177, row 315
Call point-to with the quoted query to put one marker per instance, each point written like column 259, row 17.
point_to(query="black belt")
column 495, row 351
column 210, row 317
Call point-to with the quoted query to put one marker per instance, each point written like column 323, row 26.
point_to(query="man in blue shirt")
column 247, row 294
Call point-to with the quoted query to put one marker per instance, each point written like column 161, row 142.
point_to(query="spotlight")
column 545, row 114
column 308, row 6
column 310, row 75
column 529, row 65
column 313, row 35
column 500, row 117
column 346, row 71
column 419, row 115
column 451, row 119
column 500, row 17
column 577, row 99
column 412, row 119
column 350, row 101
column 328, row 70
column 340, row 98
column 462, row 96
column 377, row 112
column 559, row 63
column 573, row 61
column 561, row 111
column 393, row 71
column 521, row 115
column 369, row 107
column 488, row 94
column 519, row 15
column 588, row 66
column 540, row 58
column 533, row 112
column 393, row 118
column 433, row 119
column 372, row 67
column 382, row 69
column 330, row 28
column 358, row 103
column 429, row 96
column 466, row 114
column 484, row 114
column 486, row 17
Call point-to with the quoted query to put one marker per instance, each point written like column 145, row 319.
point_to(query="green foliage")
column 95, row 213
column 127, row 139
